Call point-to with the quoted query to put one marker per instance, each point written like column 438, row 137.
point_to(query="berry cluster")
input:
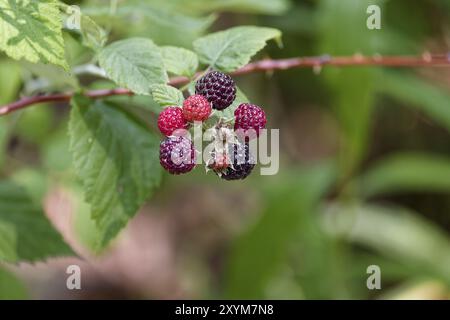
column 231, row 160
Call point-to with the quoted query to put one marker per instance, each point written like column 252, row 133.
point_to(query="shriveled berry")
column 218, row 88
column 219, row 161
column 171, row 119
column 242, row 162
column 249, row 116
column 177, row 154
column 196, row 108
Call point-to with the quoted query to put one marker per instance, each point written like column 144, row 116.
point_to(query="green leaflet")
column 11, row 288
column 257, row 255
column 3, row 139
column 161, row 21
column 269, row 7
column 117, row 160
column 231, row 49
column 396, row 233
column 31, row 30
column 25, row 232
column 10, row 81
column 406, row 172
column 92, row 35
column 134, row 63
column 179, row 61
column 352, row 88
column 416, row 93
column 166, row 95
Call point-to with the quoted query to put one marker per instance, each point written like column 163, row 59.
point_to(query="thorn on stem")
column 358, row 56
column 325, row 59
column 426, row 56
column 377, row 57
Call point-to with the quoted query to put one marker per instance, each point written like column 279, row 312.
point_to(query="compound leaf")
column 231, row 49
column 134, row 63
column 31, row 30
column 116, row 158
column 25, row 232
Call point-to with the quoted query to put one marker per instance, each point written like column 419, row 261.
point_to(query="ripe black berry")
column 218, row 88
column 177, row 154
column 242, row 162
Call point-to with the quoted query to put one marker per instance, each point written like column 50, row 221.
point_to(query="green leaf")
column 161, row 21
column 25, row 232
column 92, row 35
column 416, row 93
column 11, row 288
column 55, row 155
column 233, row 48
column 85, row 228
column 353, row 99
column 353, row 91
column 299, row 20
column 3, row 140
column 290, row 202
column 117, row 160
column 10, row 81
column 396, row 233
column 35, row 124
column 134, row 63
column 179, row 61
column 31, row 30
column 407, row 172
column 166, row 95
column 416, row 289
column 241, row 6
column 34, row 181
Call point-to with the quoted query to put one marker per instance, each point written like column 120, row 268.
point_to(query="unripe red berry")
column 196, row 108
column 171, row 119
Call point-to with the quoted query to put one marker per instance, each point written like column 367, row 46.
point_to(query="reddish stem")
column 426, row 60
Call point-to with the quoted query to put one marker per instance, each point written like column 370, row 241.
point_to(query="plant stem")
column 266, row 65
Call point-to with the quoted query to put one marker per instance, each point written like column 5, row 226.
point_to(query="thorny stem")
column 266, row 65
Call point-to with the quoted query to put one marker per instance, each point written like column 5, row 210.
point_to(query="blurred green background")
column 364, row 164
